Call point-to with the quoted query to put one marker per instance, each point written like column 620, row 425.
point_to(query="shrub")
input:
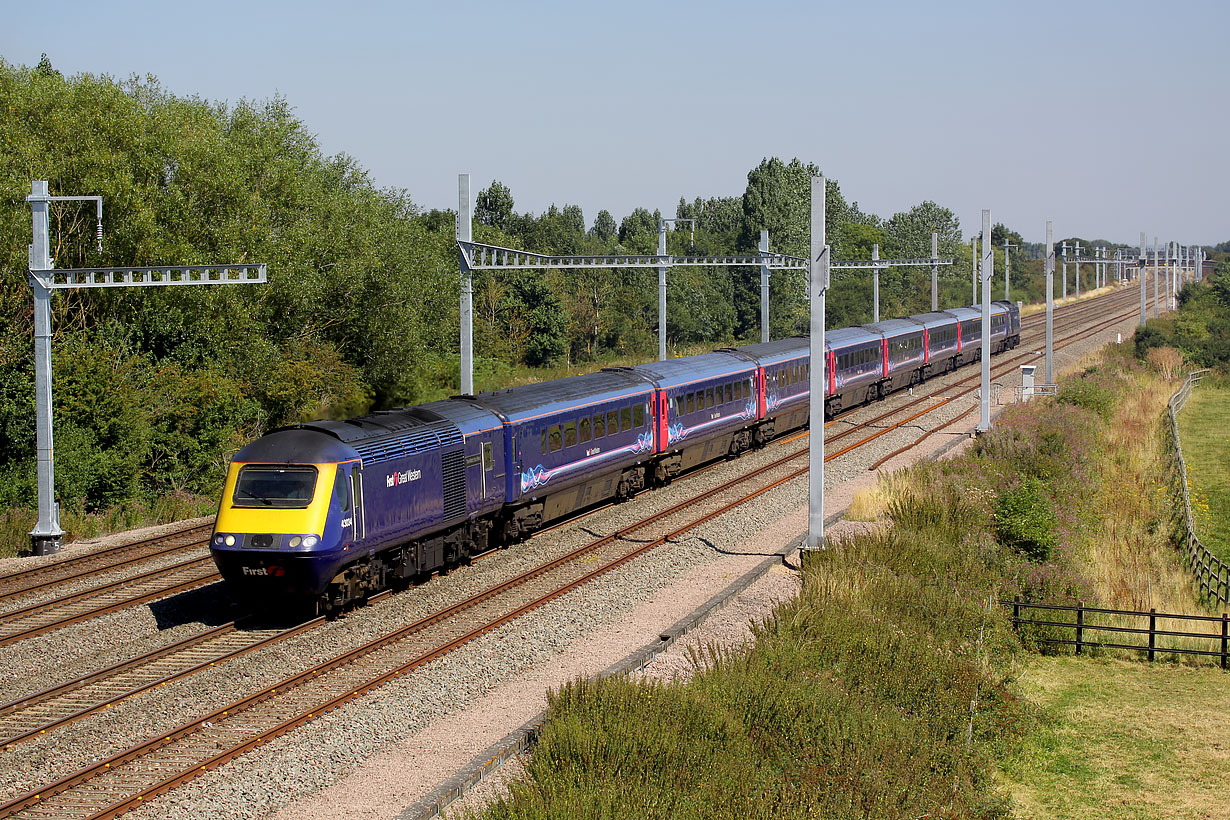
column 1025, row 522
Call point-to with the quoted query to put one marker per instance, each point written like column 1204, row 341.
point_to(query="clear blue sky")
column 1108, row 117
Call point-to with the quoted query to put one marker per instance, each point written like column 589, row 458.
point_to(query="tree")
column 494, row 206
column 909, row 233
column 639, row 231
column 605, row 229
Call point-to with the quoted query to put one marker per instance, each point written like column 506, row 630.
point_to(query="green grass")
column 15, row 524
column 1122, row 740
column 1204, row 427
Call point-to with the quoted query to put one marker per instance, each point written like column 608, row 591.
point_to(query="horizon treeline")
column 155, row 388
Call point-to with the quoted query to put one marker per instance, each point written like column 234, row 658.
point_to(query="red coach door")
column 663, row 431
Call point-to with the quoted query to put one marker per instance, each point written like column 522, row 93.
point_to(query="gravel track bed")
column 302, row 763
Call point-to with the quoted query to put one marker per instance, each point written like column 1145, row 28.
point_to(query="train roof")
column 846, row 336
column 296, row 445
column 964, row 314
column 894, row 327
column 773, row 352
column 933, row 319
column 469, row 417
column 676, row 372
column 388, row 434
column 528, row 401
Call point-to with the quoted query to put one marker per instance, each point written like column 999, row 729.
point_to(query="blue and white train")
column 330, row 511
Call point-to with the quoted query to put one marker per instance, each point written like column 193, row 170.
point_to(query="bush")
column 1025, row 522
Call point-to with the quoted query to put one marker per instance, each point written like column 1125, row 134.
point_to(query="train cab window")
column 625, row 418
column 599, row 426
column 612, row 422
column 555, row 439
column 341, row 492
column 269, row 486
column 638, row 416
column 691, row 402
column 570, row 434
column 709, row 402
column 488, row 456
column 583, row 429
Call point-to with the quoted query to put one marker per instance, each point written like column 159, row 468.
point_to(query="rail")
column 1211, row 574
column 1081, row 625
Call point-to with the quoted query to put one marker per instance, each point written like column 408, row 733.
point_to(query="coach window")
column 625, row 418
column 709, row 397
column 488, row 456
column 730, row 393
column 612, row 422
column 691, row 402
column 341, row 491
column 544, row 442
column 570, row 434
column 599, row 426
column 638, row 416
column 554, row 438
column 583, row 429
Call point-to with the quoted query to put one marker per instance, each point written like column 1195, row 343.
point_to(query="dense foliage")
column 154, row 388
column 1201, row 326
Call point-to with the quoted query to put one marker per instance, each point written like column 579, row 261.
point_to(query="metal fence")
column 1211, row 573
column 1082, row 625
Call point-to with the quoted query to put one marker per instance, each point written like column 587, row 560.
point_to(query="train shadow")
column 209, row 605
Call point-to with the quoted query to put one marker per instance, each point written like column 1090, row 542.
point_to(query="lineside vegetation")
column 854, row 700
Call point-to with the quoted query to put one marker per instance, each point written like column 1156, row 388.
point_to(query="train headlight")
column 295, row 541
column 218, row 540
column 310, row 541
column 230, row 540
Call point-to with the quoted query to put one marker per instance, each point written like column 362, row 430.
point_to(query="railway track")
column 28, row 621
column 127, row 779
column 97, row 562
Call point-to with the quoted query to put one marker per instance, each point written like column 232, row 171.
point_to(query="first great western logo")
column 395, row 479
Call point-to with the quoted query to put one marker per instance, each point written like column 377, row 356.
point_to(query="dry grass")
column 1039, row 307
column 1124, row 740
column 871, row 503
column 1206, row 448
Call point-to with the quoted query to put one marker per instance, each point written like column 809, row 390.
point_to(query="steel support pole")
column 1050, row 304
column 661, row 293
column 465, row 233
column 935, row 271
column 1157, row 275
column 1064, row 292
column 988, row 267
column 1144, row 297
column 764, row 289
column 1078, row 270
column 973, row 268
column 875, row 283
column 46, row 536
column 1007, row 263
column 818, row 262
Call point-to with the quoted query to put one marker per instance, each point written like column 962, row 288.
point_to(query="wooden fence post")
column 1080, row 624
column 1225, row 637
column 1152, row 632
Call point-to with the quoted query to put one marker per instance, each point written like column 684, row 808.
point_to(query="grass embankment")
column 1204, row 428
column 1123, row 741
column 15, row 524
column 855, row 699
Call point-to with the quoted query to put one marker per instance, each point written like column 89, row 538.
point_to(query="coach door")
column 358, row 529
